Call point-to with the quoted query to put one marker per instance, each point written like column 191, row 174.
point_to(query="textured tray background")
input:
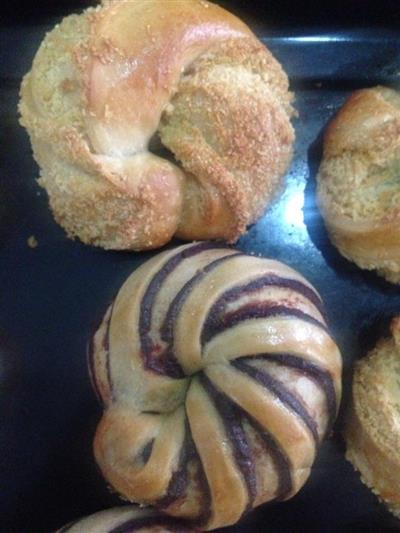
column 52, row 296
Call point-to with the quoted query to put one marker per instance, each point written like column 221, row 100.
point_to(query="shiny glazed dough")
column 106, row 84
column 219, row 381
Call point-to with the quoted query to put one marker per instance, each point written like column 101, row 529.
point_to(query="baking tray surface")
column 53, row 295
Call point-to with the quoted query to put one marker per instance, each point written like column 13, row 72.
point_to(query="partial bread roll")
column 358, row 181
column 373, row 428
column 219, row 380
column 128, row 519
column 105, row 82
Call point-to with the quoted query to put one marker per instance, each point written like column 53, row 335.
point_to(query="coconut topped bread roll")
column 373, row 429
column 358, row 181
column 219, row 381
column 128, row 519
column 105, row 82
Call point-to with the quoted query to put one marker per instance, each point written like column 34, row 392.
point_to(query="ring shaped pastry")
column 105, row 82
column 128, row 519
column 373, row 428
column 219, row 380
column 358, row 185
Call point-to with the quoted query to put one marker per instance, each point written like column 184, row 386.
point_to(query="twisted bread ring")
column 219, row 380
column 104, row 82
column 358, row 188
column 128, row 519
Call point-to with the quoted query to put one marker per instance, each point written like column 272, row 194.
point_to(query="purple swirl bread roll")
column 128, row 519
column 219, row 380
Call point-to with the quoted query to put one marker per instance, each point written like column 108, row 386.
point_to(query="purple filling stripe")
column 254, row 286
column 218, row 324
column 188, row 455
column 272, row 280
column 231, row 419
column 206, row 507
column 282, row 393
column 167, row 329
column 321, row 377
column 159, row 278
column 177, row 486
column 161, row 362
column 166, row 364
column 279, row 458
column 281, row 461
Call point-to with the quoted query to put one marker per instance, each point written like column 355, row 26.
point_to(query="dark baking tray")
column 51, row 296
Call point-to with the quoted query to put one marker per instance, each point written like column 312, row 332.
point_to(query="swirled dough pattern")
column 105, row 83
column 358, row 181
column 219, row 380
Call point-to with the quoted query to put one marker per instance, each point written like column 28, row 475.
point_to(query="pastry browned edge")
column 128, row 519
column 358, row 181
column 105, row 82
column 373, row 427
column 219, row 380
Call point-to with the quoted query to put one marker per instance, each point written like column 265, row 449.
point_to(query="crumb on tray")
column 32, row 242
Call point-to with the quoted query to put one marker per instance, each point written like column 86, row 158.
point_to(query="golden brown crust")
column 104, row 82
column 373, row 427
column 219, row 381
column 358, row 189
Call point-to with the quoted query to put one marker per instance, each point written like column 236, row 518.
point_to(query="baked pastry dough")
column 358, row 186
column 219, row 380
column 128, row 519
column 105, row 82
column 373, row 428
